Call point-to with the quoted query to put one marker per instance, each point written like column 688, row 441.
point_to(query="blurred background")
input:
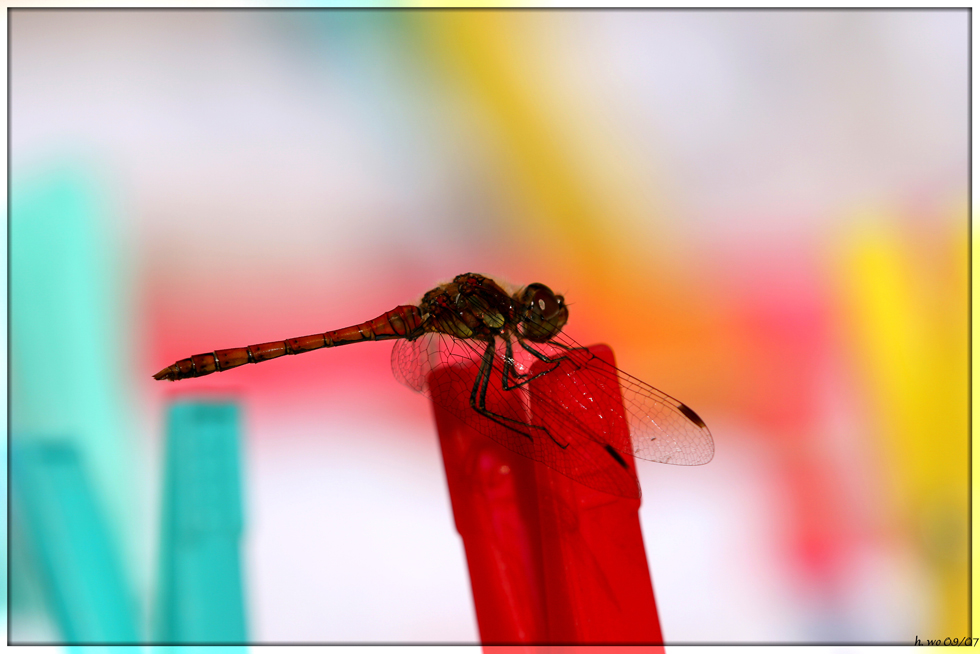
column 763, row 213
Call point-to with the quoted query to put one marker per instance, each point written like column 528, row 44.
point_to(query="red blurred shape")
column 551, row 561
column 493, row 494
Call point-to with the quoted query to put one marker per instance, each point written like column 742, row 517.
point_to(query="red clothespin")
column 551, row 561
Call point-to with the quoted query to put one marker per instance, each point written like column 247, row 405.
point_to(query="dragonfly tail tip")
column 166, row 373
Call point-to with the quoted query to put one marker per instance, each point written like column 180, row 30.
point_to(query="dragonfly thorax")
column 470, row 306
column 477, row 307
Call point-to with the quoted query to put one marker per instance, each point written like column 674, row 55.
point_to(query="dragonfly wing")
column 413, row 361
column 445, row 369
column 662, row 428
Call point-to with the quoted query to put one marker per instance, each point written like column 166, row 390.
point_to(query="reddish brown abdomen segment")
column 400, row 322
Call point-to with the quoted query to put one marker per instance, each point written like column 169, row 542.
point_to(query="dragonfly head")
column 543, row 313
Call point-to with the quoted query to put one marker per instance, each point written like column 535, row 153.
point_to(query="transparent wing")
column 662, row 429
column 535, row 419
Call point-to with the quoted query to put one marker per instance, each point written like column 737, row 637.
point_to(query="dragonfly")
column 477, row 334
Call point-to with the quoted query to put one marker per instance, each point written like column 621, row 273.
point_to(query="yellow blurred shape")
column 575, row 182
column 581, row 193
column 905, row 296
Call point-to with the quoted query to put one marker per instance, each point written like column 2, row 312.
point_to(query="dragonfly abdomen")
column 400, row 322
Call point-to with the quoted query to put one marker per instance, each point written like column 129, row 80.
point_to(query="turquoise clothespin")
column 200, row 594
column 69, row 354
column 66, row 532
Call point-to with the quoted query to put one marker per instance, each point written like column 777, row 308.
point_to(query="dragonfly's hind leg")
column 478, row 399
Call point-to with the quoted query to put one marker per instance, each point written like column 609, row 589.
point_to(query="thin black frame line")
column 477, row 644
column 7, row 449
column 969, row 318
column 969, row 216
column 504, row 8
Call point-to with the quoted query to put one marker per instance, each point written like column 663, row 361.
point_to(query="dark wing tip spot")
column 693, row 417
column 614, row 454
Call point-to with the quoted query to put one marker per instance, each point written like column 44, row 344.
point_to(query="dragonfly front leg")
column 478, row 398
column 510, row 365
column 509, row 369
column 543, row 357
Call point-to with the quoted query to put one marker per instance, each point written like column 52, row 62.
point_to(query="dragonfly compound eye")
column 544, row 313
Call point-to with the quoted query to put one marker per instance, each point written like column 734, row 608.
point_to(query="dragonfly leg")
column 484, row 371
column 509, row 367
column 478, row 400
column 543, row 357
column 509, row 370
